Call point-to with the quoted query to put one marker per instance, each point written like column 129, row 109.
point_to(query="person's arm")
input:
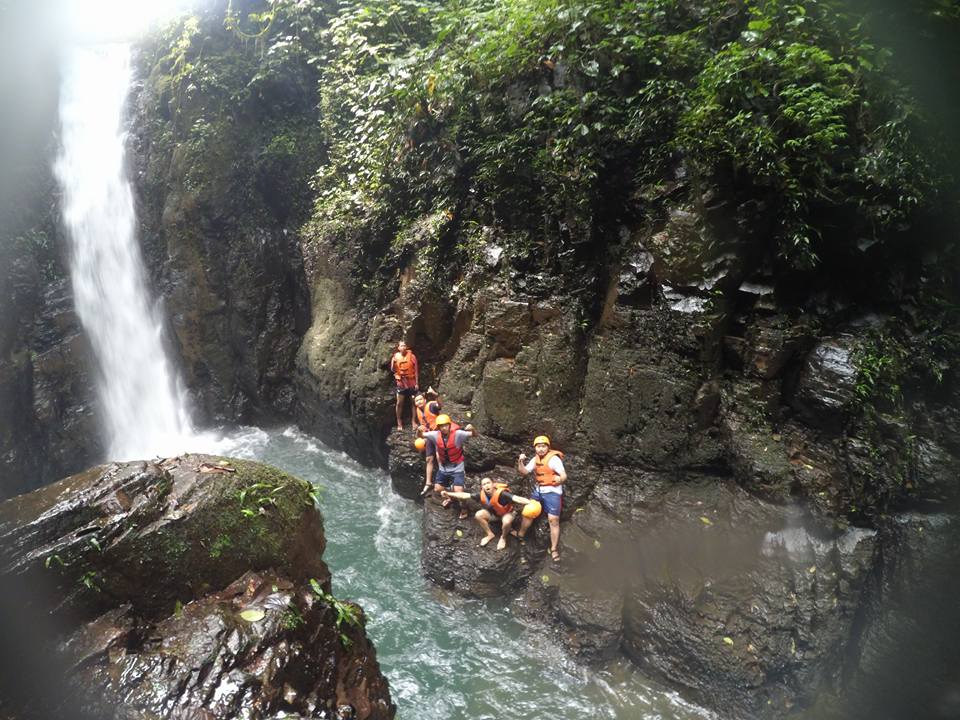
column 416, row 370
column 393, row 366
column 519, row 500
column 470, row 429
column 428, row 483
column 456, row 495
column 557, row 465
column 522, row 465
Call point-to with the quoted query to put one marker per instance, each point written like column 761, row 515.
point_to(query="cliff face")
column 47, row 425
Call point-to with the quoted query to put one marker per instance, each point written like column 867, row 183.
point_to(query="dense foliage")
column 551, row 126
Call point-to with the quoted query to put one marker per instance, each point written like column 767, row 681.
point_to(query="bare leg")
column 483, row 519
column 524, row 526
column 399, row 411
column 507, row 521
column 463, row 510
column 554, row 535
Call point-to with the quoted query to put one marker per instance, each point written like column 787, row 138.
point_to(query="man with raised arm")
column 549, row 476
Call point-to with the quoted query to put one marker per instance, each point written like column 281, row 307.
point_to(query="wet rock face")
column 293, row 660
column 99, row 539
column 827, row 384
column 47, row 423
column 219, row 211
column 757, row 613
column 144, row 570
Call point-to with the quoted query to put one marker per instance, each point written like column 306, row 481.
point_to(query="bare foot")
column 488, row 538
column 502, row 544
column 446, row 502
column 463, row 515
column 399, row 427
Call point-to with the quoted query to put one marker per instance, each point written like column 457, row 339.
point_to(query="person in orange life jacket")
column 497, row 504
column 549, row 477
column 406, row 373
column 427, row 411
column 445, row 444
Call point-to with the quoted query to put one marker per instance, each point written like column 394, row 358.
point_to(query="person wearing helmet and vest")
column 406, row 373
column 427, row 411
column 496, row 503
column 445, row 446
column 549, row 475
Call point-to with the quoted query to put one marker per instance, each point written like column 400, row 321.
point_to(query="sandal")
column 446, row 502
column 555, row 555
column 463, row 515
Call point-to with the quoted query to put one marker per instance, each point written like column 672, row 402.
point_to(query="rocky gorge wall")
column 748, row 448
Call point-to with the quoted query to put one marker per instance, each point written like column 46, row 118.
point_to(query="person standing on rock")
column 497, row 504
column 549, row 476
column 406, row 373
column 445, row 444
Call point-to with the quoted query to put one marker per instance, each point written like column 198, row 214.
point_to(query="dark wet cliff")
column 707, row 248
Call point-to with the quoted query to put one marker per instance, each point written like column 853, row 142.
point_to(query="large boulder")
column 453, row 559
column 133, row 579
column 744, row 604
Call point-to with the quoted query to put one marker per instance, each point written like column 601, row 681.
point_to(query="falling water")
column 145, row 411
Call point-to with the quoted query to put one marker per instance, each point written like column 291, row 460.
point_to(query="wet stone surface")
column 135, row 569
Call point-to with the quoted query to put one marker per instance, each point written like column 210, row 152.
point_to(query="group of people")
column 442, row 441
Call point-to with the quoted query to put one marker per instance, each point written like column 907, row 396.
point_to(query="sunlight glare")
column 113, row 20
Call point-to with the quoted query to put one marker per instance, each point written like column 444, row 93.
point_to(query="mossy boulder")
column 154, row 534
column 194, row 584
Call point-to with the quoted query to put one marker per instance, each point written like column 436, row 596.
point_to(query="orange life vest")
column 544, row 474
column 403, row 365
column 493, row 502
column 447, row 451
column 427, row 418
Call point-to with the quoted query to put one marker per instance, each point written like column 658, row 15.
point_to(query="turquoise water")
column 447, row 658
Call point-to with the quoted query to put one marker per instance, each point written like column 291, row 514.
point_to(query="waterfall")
column 141, row 396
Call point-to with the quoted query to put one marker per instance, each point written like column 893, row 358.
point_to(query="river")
column 446, row 657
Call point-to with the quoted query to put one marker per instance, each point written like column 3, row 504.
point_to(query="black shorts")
column 406, row 391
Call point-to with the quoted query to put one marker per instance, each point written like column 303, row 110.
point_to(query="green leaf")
column 253, row 615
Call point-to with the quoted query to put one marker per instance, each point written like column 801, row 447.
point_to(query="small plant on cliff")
column 346, row 611
column 255, row 498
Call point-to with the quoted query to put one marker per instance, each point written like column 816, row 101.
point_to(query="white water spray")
column 140, row 393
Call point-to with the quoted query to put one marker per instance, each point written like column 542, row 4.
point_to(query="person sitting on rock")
column 406, row 373
column 497, row 504
column 549, row 476
column 446, row 445
column 427, row 411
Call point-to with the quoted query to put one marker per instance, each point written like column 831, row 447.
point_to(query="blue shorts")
column 552, row 502
column 457, row 479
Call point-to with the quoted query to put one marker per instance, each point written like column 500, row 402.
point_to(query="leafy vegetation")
column 346, row 611
column 548, row 126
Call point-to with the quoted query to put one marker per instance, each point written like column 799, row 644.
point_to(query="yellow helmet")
column 541, row 439
column 443, row 420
